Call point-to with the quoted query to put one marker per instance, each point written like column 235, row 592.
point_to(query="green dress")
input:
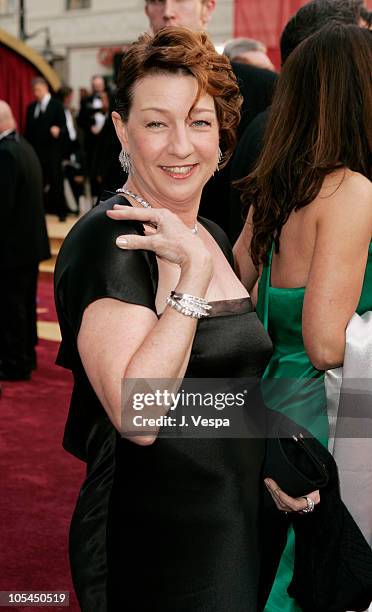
column 300, row 393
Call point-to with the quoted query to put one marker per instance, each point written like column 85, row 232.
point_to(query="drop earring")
column 220, row 158
column 125, row 161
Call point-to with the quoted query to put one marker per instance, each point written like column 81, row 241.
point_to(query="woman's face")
column 173, row 147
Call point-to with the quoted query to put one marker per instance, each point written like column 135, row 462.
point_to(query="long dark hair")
column 320, row 120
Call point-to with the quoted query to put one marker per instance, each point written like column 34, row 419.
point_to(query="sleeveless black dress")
column 175, row 526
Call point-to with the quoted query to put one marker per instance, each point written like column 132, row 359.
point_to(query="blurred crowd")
column 71, row 144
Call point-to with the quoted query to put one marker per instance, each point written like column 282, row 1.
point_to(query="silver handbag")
column 349, row 406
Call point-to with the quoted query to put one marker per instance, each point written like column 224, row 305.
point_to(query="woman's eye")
column 201, row 123
column 155, row 124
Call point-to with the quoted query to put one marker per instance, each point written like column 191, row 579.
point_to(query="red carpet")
column 39, row 480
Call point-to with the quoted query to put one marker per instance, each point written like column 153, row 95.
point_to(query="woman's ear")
column 120, row 129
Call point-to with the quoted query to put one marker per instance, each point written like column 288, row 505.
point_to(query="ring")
column 310, row 505
column 150, row 224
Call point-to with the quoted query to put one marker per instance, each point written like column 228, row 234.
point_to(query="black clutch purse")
column 294, row 458
column 333, row 561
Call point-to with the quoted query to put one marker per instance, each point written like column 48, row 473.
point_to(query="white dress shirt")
column 70, row 124
column 41, row 106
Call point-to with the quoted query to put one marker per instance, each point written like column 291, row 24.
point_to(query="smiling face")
column 193, row 14
column 173, row 147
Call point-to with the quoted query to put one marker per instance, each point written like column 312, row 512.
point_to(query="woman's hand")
column 165, row 234
column 290, row 504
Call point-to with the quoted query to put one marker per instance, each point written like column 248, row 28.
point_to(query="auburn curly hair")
column 179, row 50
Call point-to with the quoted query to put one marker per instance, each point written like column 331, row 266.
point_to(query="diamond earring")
column 220, row 158
column 125, row 161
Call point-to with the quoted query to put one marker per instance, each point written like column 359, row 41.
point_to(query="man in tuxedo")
column 256, row 86
column 91, row 119
column 23, row 244
column 73, row 159
column 45, row 130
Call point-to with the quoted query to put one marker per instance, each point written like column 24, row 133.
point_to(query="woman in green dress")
column 309, row 228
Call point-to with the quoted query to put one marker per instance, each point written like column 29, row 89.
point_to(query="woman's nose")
column 180, row 143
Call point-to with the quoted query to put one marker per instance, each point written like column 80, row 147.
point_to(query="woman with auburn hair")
column 309, row 228
column 166, row 521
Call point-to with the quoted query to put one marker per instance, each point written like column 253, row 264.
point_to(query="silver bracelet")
column 189, row 305
column 191, row 301
column 187, row 296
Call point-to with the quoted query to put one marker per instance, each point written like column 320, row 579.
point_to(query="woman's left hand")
column 285, row 503
column 165, row 234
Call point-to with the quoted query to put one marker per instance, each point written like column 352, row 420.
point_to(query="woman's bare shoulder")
column 344, row 181
column 345, row 192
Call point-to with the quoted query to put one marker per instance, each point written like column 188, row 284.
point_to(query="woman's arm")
column 344, row 230
column 118, row 340
column 244, row 266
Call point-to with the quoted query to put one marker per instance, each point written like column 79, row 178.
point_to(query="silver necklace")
column 145, row 204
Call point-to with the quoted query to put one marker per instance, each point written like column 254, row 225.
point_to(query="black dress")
column 175, row 526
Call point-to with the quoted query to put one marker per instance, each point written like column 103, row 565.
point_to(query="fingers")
column 131, row 213
column 149, row 229
column 172, row 240
column 279, row 503
column 276, row 494
column 133, row 241
column 122, row 212
column 285, row 502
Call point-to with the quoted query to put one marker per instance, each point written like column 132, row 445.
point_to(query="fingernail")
column 119, row 206
column 121, row 242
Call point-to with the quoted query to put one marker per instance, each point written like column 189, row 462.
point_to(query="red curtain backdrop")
column 264, row 20
column 16, row 74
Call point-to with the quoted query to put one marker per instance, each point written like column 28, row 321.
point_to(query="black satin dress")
column 175, row 526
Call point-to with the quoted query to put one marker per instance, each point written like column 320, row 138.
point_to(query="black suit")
column 23, row 244
column 244, row 159
column 49, row 151
column 73, row 160
column 106, row 167
column 90, row 105
column 256, row 86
